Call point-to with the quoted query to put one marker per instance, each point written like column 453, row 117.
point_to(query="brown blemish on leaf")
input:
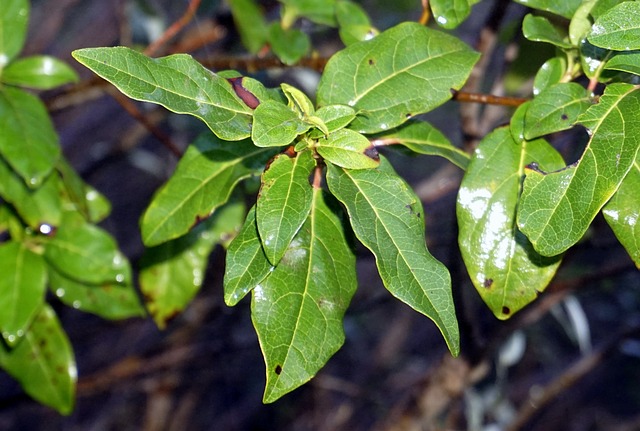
column 487, row 282
column 278, row 369
column 506, row 311
column 371, row 62
column 245, row 95
column 372, row 153
column 564, row 117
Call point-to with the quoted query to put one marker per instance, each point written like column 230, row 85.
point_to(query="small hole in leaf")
column 278, row 369
column 564, row 117
column 488, row 282
column 506, row 310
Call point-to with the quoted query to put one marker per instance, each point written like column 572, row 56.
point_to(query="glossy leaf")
column 451, row 13
column 334, row 117
column 298, row 101
column 619, row 28
column 353, row 22
column 318, row 11
column 43, row 363
column 298, row 309
column 557, row 208
column 177, row 82
column 348, row 149
column 246, row 264
column 276, row 125
column 504, row 268
column 86, row 253
column 581, row 22
column 288, row 45
column 109, row 300
column 14, row 18
column 22, row 288
column 172, row 273
column 592, row 59
column 621, row 212
column 387, row 218
column 551, row 72
column 31, row 151
column 404, row 71
column 86, row 200
column 555, row 109
column 203, row 181
column 250, row 22
column 284, row 202
column 564, row 8
column 422, row 138
column 625, row 62
column 540, row 29
column 42, row 72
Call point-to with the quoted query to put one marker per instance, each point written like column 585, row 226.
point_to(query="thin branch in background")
column 173, row 28
column 426, row 13
column 488, row 99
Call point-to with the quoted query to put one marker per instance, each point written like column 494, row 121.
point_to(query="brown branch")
column 426, row 13
column 488, row 99
column 174, row 28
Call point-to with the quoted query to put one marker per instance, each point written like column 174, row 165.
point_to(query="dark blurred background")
column 569, row 361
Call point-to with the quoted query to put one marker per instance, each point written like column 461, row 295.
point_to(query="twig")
column 488, row 99
column 426, row 13
column 174, row 28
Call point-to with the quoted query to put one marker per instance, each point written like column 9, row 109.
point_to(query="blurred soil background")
column 569, row 362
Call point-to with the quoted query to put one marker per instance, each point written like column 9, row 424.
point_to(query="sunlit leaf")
column 551, row 72
column 354, row 22
column 618, row 28
column 14, row 18
column 276, row 125
column 298, row 309
column 540, row 29
column 348, row 149
column 319, row 11
column 387, row 217
column 41, row 71
column 451, row 13
column 404, row 71
column 564, row 8
column 557, row 208
column 625, row 62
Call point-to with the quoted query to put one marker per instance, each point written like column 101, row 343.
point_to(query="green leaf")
column 556, row 108
column 284, row 202
column 84, row 198
column 177, row 82
column 334, row 117
column 22, row 288
column 581, row 22
column 298, row 101
column 354, row 22
column 246, row 264
column 557, row 208
column 540, row 29
column 250, row 22
column 276, row 125
column 621, row 212
column 288, row 45
column 551, row 72
column 348, row 149
column 421, row 137
column 564, row 8
column 28, row 141
column 43, row 363
column 86, row 253
column 14, row 19
column 625, row 62
column 172, row 273
column 108, row 300
column 203, row 181
column 618, row 29
column 41, row 71
column 387, row 217
column 318, row 11
column 451, row 13
column 404, row 71
column 504, row 268
column 298, row 309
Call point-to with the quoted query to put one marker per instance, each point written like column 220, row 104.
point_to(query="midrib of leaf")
column 18, row 282
column 288, row 195
column 42, row 365
column 70, row 246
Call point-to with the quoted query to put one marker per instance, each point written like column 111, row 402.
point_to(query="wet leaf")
column 298, row 309
column 14, row 19
column 276, row 125
column 384, row 88
column 42, row 72
column 504, row 268
column 203, row 181
column 177, row 82
column 22, row 288
column 540, row 29
column 451, row 13
column 31, row 151
column 43, row 363
column 284, row 202
column 618, row 29
column 348, row 149
column 557, row 208
column 172, row 273
column 422, row 138
column 387, row 217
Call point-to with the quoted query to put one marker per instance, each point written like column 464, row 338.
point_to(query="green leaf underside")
column 172, row 273
column 318, row 11
column 621, row 212
column 551, row 72
column 618, row 28
column 250, row 22
column 289, row 45
column 31, row 151
column 387, row 89
column 504, row 268
column 625, row 62
column 87, row 253
column 540, row 29
column 43, row 362
column 421, row 137
column 246, row 264
column 564, row 8
column 449, row 14
column 555, row 109
column 177, row 82
column 557, row 208
column 348, row 149
column 387, row 218
column 39, row 71
column 14, row 19
column 353, row 22
column 276, row 125
column 22, row 288
column 284, row 202
column 298, row 309
column 203, row 180
column 107, row 300
column 88, row 201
